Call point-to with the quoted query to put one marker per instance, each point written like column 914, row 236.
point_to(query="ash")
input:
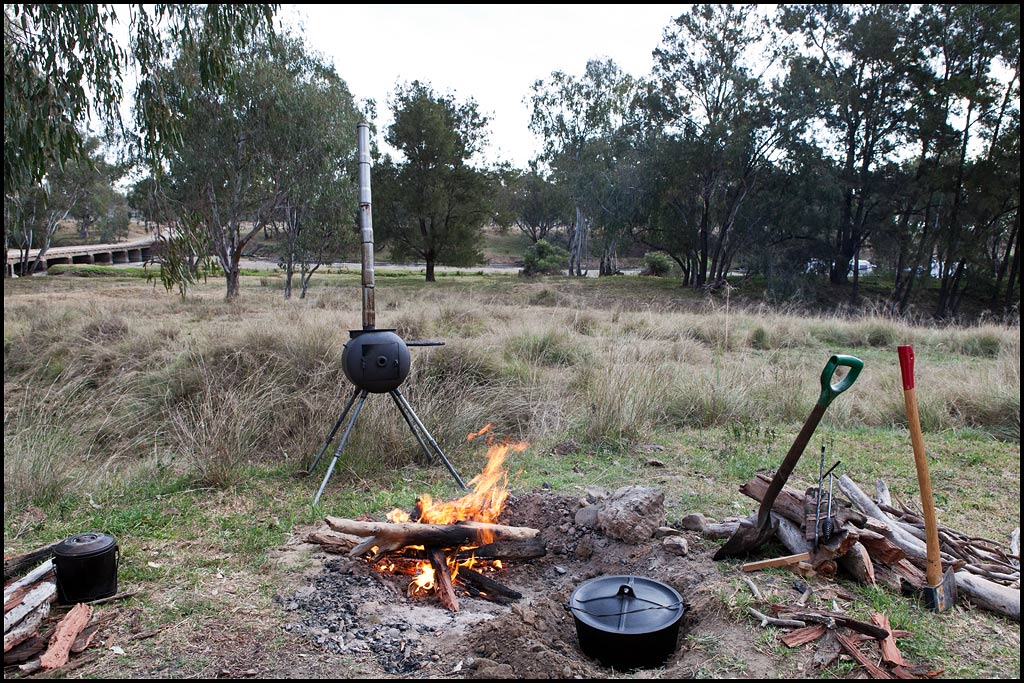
column 352, row 611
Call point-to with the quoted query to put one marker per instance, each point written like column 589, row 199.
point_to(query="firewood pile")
column 448, row 549
column 875, row 542
column 34, row 639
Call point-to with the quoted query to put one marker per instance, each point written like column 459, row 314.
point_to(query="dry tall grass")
column 106, row 373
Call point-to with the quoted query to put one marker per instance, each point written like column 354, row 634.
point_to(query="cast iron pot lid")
column 626, row 604
column 84, row 545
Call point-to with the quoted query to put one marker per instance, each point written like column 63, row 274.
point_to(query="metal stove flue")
column 376, row 361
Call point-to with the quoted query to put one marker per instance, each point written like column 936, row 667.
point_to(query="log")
column 790, row 535
column 890, row 651
column 989, row 595
column 30, row 578
column 332, row 541
column 16, row 564
column 882, row 495
column 64, row 637
column 1015, row 547
column 44, row 592
column 26, row 650
column 529, row 549
column 851, row 647
column 489, row 588
column 857, row 563
column 789, row 504
column 443, row 579
column 879, row 547
column 26, row 629
column 719, row 530
column 438, row 535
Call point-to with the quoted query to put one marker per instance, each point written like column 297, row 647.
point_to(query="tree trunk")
column 289, row 272
column 231, row 275
column 430, row 269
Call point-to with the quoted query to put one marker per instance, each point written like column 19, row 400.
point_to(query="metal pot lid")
column 84, row 545
column 626, row 604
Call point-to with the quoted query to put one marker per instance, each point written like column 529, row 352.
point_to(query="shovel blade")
column 942, row 597
column 745, row 540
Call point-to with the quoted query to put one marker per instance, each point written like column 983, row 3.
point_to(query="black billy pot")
column 627, row 622
column 86, row 567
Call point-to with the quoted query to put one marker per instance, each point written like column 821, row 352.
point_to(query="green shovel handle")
column 828, row 390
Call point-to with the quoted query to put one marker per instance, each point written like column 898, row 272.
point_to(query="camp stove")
column 375, row 360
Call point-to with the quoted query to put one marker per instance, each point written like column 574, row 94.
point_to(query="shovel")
column 940, row 593
column 748, row 536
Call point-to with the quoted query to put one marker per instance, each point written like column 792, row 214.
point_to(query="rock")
column 585, row 548
column 694, row 522
column 663, row 531
column 596, row 493
column 632, row 513
column 675, row 544
column 586, row 517
column 497, row 671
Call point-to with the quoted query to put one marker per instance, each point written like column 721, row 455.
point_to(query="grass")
column 178, row 425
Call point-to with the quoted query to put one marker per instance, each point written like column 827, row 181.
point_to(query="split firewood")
column 775, row 562
column 443, row 579
column 16, row 564
column 857, row 563
column 439, row 535
column 878, row 546
column 862, row 659
column 27, row 649
column 87, row 635
column 26, row 629
column 44, row 592
column 802, row 636
column 32, row 577
column 64, row 637
column 890, row 651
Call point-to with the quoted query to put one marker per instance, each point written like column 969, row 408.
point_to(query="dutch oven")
column 627, row 622
column 86, row 567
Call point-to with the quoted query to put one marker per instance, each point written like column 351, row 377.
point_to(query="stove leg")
column 330, row 437
column 397, row 395
column 341, row 444
column 431, row 458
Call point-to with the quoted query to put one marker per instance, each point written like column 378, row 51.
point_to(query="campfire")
column 446, row 545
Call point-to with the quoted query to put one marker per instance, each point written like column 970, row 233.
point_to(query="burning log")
column 488, row 588
column 443, row 579
column 403, row 534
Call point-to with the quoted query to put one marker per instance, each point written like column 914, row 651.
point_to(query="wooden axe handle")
column 933, row 568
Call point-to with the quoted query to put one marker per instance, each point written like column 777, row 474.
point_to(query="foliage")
column 433, row 204
column 544, row 258
column 656, row 264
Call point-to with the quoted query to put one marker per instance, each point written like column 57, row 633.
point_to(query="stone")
column 596, row 494
column 675, row 544
column 632, row 513
column 693, row 522
column 663, row 531
column 586, row 517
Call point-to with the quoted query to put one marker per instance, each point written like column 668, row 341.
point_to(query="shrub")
column 544, row 258
column 656, row 264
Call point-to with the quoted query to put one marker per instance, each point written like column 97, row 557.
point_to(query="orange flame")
column 483, row 504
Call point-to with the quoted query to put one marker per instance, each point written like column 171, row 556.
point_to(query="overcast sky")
column 492, row 53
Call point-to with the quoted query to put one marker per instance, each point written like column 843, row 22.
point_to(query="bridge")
column 137, row 251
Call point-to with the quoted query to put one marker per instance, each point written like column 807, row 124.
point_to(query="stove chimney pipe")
column 366, row 225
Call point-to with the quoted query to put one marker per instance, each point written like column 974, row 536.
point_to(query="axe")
column 940, row 593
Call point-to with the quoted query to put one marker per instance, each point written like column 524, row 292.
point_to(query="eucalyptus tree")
column 853, row 64
column 722, row 121
column 538, row 204
column 573, row 115
column 433, row 203
column 63, row 66
column 312, row 159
